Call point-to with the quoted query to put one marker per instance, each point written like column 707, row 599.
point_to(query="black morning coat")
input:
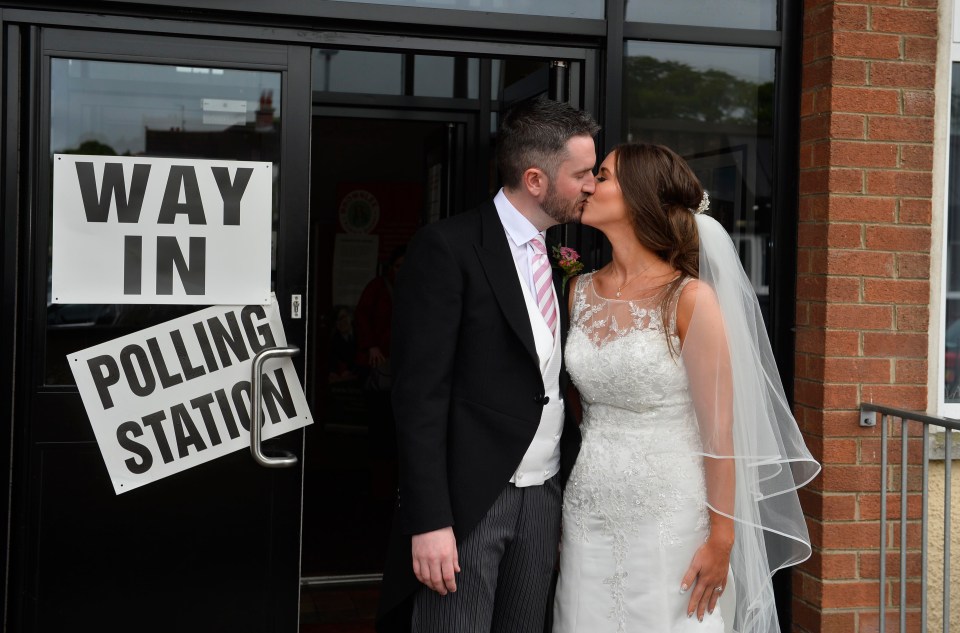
column 467, row 388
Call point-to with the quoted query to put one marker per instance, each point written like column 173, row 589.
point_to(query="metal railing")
column 868, row 417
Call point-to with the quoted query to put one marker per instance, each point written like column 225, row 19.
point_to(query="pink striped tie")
column 543, row 283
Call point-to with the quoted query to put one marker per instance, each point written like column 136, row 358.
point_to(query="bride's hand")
column 707, row 573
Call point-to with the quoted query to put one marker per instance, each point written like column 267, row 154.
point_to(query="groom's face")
column 572, row 183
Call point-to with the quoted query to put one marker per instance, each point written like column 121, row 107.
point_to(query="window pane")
column 435, row 76
column 357, row 71
column 127, row 109
column 951, row 343
column 713, row 105
column 557, row 8
column 739, row 14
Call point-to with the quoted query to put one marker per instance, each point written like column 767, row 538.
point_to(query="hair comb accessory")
column 704, row 203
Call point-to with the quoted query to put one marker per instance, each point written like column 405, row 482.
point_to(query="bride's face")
column 606, row 207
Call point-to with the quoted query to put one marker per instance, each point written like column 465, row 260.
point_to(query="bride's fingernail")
column 690, row 615
column 700, row 617
column 683, row 588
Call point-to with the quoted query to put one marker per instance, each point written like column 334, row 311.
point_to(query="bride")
column 691, row 458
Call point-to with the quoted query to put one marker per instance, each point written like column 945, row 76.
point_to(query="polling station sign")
column 161, row 230
column 177, row 395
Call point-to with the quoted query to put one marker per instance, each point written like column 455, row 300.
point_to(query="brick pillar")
column 863, row 289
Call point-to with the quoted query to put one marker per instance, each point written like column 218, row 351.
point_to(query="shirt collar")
column 519, row 229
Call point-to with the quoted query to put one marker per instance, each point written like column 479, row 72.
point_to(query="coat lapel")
column 497, row 261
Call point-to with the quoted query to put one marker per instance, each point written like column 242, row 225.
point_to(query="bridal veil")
column 747, row 429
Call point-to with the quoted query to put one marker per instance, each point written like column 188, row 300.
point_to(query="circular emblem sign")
column 359, row 212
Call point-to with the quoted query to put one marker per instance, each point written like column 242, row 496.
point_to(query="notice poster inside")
column 161, row 230
column 177, row 395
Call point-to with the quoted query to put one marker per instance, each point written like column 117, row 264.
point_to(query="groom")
column 477, row 393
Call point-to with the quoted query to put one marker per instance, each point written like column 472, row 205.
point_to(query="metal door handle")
column 287, row 459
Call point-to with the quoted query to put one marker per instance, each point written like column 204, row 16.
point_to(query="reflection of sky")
column 115, row 102
column 738, row 14
column 750, row 64
column 560, row 8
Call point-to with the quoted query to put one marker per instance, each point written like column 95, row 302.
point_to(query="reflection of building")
column 834, row 201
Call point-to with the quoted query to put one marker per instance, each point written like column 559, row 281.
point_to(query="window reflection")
column 714, row 106
column 129, row 109
column 739, row 14
column 951, row 343
column 558, row 8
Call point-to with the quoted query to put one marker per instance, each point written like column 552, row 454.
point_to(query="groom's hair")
column 534, row 133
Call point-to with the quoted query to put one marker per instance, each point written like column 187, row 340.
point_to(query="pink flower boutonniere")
column 568, row 260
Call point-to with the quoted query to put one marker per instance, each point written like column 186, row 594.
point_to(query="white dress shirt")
column 519, row 233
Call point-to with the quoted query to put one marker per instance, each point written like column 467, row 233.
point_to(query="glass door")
column 216, row 547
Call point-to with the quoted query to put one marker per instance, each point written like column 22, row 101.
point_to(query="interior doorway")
column 398, row 140
column 375, row 179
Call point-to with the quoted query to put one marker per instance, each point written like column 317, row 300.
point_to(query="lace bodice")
column 638, row 465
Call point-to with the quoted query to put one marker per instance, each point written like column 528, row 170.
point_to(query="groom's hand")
column 435, row 559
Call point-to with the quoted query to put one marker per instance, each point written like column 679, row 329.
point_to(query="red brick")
column 861, row 209
column 807, row 159
column 817, row 73
column 913, row 318
column 871, row 449
column 899, row 238
column 850, row 478
column 845, row 180
column 814, row 128
column 918, row 102
column 916, row 157
column 837, row 451
column 807, row 104
column 848, row 126
column 869, row 621
column 836, row 566
column 812, row 234
column 838, row 595
column 921, row 49
column 818, row 288
column 866, row 45
column 900, row 183
column 913, row 398
column 844, row 236
column 864, row 263
column 862, row 100
column 813, row 208
column 910, row 266
column 894, row 344
column 816, row 21
column 814, row 181
column 869, row 563
column 858, row 370
column 817, row 47
column 902, row 75
column 916, row 211
column 898, row 291
column 896, row 128
column 835, row 343
column 909, row 21
column 849, row 17
column 869, row 506
column 910, row 371
column 838, row 507
column 852, row 154
column 859, row 317
column 858, row 535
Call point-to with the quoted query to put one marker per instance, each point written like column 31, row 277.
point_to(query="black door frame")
column 26, row 168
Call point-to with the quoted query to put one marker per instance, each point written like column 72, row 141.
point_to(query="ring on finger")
column 718, row 589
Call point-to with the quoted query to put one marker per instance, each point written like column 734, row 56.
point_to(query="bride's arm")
column 707, row 362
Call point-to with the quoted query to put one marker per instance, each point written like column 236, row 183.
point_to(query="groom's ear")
column 535, row 181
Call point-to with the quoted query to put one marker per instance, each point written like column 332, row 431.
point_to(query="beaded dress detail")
column 634, row 510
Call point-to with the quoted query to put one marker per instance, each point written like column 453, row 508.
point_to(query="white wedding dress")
column 634, row 510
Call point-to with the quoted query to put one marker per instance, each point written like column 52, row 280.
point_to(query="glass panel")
column 714, row 106
column 557, row 8
column 951, row 343
column 127, row 109
column 435, row 76
column 357, row 71
column 738, row 14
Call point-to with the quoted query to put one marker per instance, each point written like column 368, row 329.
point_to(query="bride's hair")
column 661, row 192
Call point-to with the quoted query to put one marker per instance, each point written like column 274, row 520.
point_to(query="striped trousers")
column 506, row 568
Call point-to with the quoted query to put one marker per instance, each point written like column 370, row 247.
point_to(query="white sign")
column 177, row 395
column 161, row 230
